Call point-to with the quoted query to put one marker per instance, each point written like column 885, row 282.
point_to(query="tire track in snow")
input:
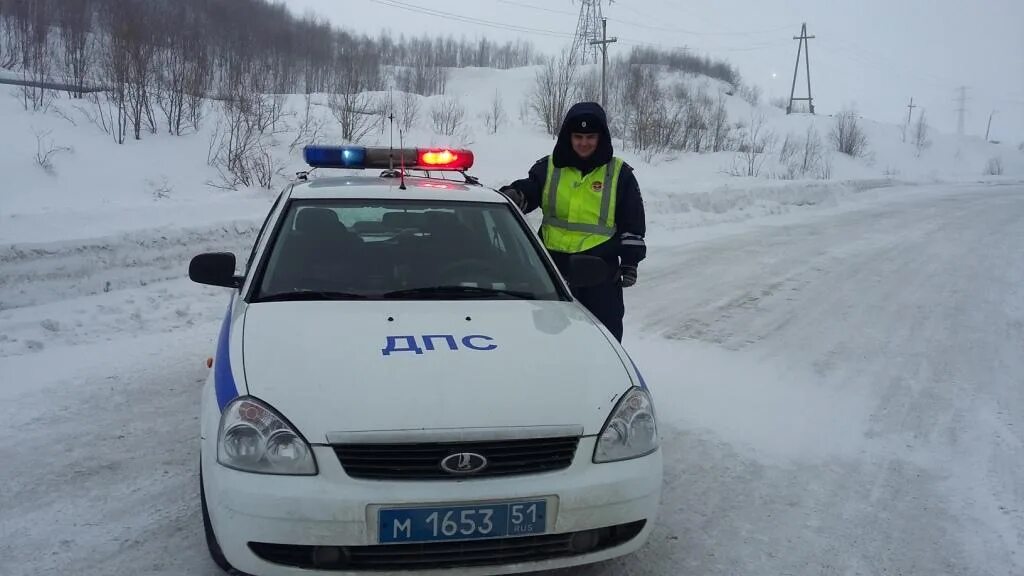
column 34, row 274
column 70, row 293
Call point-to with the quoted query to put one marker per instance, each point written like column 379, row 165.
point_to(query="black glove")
column 627, row 276
column 513, row 194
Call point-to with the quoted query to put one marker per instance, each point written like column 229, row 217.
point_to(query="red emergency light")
column 444, row 159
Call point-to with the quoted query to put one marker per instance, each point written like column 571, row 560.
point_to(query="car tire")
column 211, row 539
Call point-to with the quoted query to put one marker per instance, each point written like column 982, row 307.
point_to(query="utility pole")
column 604, row 42
column 961, row 110
column 806, row 47
column 989, row 129
column 910, row 110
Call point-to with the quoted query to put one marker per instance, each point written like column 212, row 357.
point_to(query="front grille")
column 422, row 461
column 443, row 555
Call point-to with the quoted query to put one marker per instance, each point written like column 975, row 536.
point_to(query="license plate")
column 473, row 522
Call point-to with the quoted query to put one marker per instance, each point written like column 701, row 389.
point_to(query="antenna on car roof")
column 391, row 151
column 401, row 144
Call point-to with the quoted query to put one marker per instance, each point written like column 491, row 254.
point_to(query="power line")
column 552, row 33
column 700, row 33
column 647, row 26
column 534, row 7
column 864, row 55
column 469, row 19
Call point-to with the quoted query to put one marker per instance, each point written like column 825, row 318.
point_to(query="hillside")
column 95, row 187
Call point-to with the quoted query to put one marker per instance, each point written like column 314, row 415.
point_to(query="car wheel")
column 211, row 539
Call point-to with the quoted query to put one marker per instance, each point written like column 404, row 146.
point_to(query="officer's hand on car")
column 627, row 276
column 517, row 197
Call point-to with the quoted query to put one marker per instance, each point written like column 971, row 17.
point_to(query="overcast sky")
column 874, row 54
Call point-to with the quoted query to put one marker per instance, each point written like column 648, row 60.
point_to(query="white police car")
column 403, row 383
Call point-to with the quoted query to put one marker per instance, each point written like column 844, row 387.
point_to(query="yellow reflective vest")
column 579, row 211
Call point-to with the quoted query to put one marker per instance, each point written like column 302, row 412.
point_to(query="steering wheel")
column 469, row 266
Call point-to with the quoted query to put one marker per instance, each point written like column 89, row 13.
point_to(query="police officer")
column 592, row 205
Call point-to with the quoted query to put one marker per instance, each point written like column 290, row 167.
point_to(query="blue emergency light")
column 353, row 157
column 362, row 158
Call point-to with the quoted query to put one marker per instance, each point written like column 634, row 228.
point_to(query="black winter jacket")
column 630, row 220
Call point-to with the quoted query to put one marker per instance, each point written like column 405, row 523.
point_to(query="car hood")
column 350, row 366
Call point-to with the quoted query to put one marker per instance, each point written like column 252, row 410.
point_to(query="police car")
column 403, row 383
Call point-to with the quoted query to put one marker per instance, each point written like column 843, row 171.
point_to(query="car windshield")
column 402, row 249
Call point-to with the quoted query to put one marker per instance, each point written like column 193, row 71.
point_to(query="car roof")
column 416, row 188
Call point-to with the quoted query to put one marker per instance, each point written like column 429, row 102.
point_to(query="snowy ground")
column 838, row 389
column 836, row 362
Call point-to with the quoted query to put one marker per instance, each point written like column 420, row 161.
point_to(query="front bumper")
column 251, row 511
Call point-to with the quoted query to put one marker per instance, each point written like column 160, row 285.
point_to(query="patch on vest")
column 597, row 186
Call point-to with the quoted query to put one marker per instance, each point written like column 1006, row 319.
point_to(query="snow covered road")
column 848, row 391
column 839, row 390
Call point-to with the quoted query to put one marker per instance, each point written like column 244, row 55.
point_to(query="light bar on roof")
column 378, row 158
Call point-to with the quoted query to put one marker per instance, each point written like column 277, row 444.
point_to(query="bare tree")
column 803, row 157
column 495, row 116
column 355, row 112
column 847, row 135
column 131, row 48
column 652, row 119
column 755, row 141
column 239, row 148
column 34, row 30
column 719, row 125
column 699, row 112
column 644, row 108
column 75, row 27
column 424, row 77
column 309, row 125
column 46, row 149
column 825, row 170
column 408, row 110
column 197, row 78
column 8, row 34
column 752, row 94
column 921, row 134
column 112, row 108
column 170, row 88
column 811, row 154
column 588, row 86
column 447, row 116
column 994, row 167
column 788, row 149
column 553, row 89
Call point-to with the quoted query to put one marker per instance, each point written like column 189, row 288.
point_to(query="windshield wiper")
column 299, row 295
column 454, row 290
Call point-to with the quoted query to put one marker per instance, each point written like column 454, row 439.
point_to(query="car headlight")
column 254, row 438
column 631, row 431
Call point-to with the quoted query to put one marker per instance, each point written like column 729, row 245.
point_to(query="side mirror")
column 215, row 269
column 586, row 271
